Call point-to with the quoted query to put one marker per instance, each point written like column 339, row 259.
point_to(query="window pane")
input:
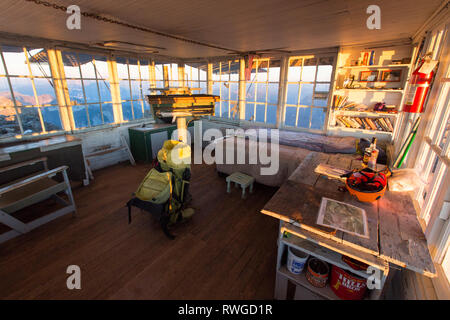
column 124, row 90
column 122, row 70
column 217, row 109
column 135, row 90
column 87, row 66
column 224, row 88
column 216, row 88
column 23, row 91
column 204, row 87
column 233, row 91
column 322, row 87
column 5, row 93
column 2, row 69
column 274, row 70
column 145, row 88
column 147, row 110
column 225, row 109
column 271, row 114
column 295, row 68
column 30, row 120
column 95, row 115
column 52, row 120
column 261, row 92
column 290, row 116
column 126, row 110
column 173, row 71
column 8, row 120
column 75, row 91
column 134, row 69
column 38, row 68
column 308, row 73
column 324, row 73
column 262, row 71
column 80, row 117
column 108, row 114
column 250, row 111
column 320, row 102
column 105, row 91
column 144, row 69
column 318, row 118
column 250, row 91
column 260, row 112
column 306, row 94
column 159, row 72
column 216, row 72
column 203, row 72
column 45, row 91
column 102, row 68
column 272, row 93
column 15, row 60
column 292, row 94
column 303, row 117
column 137, row 108
column 71, row 68
column 225, row 72
column 91, row 90
column 234, row 70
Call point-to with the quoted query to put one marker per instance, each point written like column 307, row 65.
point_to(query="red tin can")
column 346, row 285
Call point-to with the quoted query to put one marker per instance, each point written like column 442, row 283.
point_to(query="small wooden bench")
column 30, row 190
column 240, row 179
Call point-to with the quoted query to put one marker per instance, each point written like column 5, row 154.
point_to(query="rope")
column 128, row 25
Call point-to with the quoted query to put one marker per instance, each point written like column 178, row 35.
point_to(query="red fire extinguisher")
column 419, row 85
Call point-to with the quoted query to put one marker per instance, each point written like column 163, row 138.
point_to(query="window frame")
column 267, row 83
column 82, row 79
column 220, row 81
column 38, row 105
column 300, row 83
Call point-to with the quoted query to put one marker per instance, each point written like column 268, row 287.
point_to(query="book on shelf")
column 374, row 124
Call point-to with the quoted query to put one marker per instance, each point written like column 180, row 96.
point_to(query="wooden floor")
column 228, row 250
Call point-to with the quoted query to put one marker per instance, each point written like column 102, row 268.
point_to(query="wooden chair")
column 30, row 190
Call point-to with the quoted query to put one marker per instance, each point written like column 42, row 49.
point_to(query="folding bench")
column 30, row 190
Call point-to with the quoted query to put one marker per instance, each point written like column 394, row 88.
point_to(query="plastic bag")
column 403, row 180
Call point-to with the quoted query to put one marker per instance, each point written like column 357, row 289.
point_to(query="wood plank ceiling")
column 235, row 25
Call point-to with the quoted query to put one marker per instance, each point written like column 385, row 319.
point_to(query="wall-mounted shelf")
column 371, row 89
column 377, row 66
column 351, row 113
column 390, row 92
column 364, row 131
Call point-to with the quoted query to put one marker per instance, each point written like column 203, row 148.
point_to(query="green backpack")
column 156, row 187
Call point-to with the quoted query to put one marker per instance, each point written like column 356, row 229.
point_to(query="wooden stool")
column 242, row 179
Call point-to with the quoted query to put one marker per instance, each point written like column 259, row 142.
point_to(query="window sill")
column 19, row 138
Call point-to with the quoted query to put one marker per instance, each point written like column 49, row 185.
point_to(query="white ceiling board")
column 234, row 24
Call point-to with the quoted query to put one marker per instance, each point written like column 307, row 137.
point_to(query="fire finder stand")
column 181, row 105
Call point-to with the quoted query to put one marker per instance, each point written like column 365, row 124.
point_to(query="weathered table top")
column 395, row 234
column 44, row 144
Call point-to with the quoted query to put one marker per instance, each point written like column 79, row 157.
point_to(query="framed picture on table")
column 391, row 75
column 368, row 76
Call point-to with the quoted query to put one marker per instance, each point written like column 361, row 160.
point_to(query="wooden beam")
column 241, row 96
column 57, row 73
column 115, row 91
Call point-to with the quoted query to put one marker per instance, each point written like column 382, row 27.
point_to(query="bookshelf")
column 388, row 84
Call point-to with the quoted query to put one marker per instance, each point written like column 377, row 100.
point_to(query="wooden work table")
column 395, row 235
column 60, row 150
